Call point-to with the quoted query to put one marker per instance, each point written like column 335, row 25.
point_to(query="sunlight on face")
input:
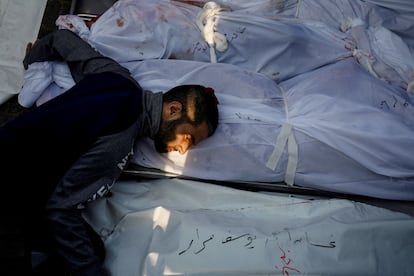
column 187, row 135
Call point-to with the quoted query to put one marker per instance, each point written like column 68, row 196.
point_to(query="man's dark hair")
column 199, row 104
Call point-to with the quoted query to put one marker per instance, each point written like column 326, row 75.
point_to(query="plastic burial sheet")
column 182, row 227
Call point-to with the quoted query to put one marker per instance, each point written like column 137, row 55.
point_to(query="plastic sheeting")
column 132, row 30
column 160, row 29
column 280, row 48
column 395, row 15
column 318, row 129
column 344, row 130
column 352, row 132
column 178, row 227
column 19, row 24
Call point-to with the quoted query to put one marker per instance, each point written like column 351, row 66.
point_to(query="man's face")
column 181, row 136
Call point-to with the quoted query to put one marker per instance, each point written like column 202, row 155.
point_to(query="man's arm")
column 82, row 59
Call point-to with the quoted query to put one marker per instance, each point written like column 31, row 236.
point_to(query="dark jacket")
column 71, row 150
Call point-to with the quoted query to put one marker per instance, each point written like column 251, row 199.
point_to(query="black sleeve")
column 89, row 178
column 82, row 59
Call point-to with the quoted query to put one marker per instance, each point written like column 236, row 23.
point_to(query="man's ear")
column 172, row 110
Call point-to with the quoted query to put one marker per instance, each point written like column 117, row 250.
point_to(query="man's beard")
column 166, row 133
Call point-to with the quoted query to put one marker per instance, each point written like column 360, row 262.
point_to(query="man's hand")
column 29, row 46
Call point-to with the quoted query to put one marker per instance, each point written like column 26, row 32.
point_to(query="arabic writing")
column 248, row 245
column 286, row 261
column 394, row 103
column 247, row 241
column 286, row 265
column 330, row 245
column 235, row 34
column 301, row 238
column 203, row 47
column 281, row 241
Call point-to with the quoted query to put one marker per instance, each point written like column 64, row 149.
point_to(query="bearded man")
column 71, row 150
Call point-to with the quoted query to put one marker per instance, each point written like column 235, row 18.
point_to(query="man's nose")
column 184, row 148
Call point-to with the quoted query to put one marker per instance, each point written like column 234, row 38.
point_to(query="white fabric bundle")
column 395, row 15
column 136, row 30
column 351, row 130
column 44, row 81
column 178, row 227
column 330, row 150
column 383, row 54
column 75, row 24
column 36, row 79
column 283, row 48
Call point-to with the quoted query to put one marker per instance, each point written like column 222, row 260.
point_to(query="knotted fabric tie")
column 206, row 22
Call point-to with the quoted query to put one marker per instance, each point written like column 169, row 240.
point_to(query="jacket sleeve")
column 91, row 177
column 82, row 59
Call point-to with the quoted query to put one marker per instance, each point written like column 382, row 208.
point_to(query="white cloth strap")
column 285, row 137
column 292, row 159
column 365, row 59
column 281, row 140
column 206, row 22
column 298, row 8
column 410, row 88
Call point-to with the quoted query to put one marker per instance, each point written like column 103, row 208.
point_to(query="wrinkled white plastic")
column 279, row 47
column 178, row 227
column 37, row 78
column 136, row 30
column 352, row 131
column 44, row 81
column 340, row 83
